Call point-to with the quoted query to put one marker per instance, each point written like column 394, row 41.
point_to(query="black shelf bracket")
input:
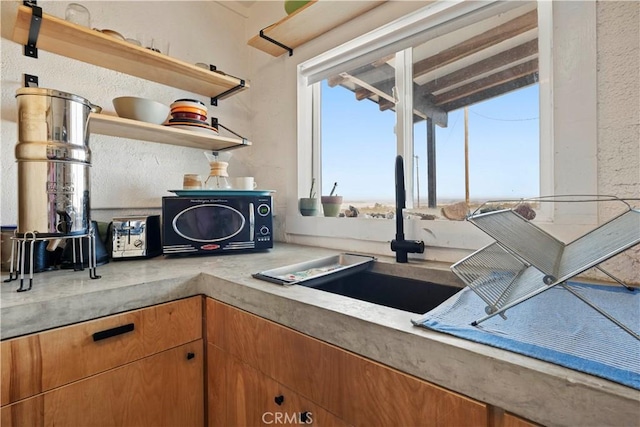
column 30, row 80
column 277, row 43
column 30, row 49
column 216, row 124
column 214, row 100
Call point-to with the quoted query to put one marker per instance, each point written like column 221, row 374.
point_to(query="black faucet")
column 400, row 246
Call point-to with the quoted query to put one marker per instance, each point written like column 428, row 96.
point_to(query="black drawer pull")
column 108, row 333
column 279, row 400
column 190, row 355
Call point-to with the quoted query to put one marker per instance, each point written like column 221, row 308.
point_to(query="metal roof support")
column 431, row 163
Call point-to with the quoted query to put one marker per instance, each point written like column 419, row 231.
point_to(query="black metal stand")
column 19, row 250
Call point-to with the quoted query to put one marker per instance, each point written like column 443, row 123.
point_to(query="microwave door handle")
column 252, row 223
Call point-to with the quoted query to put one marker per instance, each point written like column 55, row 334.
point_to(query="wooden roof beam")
column 503, row 32
column 422, row 105
column 362, row 93
column 334, row 81
column 385, row 104
column 491, row 92
column 368, row 72
column 500, row 60
column 488, row 82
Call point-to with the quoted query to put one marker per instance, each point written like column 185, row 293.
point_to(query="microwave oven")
column 216, row 224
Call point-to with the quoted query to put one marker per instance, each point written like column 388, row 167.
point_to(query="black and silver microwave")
column 213, row 225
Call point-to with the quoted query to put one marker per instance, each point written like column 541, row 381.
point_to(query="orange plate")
column 189, row 110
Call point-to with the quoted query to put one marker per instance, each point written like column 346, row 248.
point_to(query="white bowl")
column 144, row 110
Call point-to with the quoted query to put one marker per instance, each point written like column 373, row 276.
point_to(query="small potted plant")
column 331, row 204
column 308, row 206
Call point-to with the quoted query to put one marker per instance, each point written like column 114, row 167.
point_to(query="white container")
column 243, row 183
column 141, row 109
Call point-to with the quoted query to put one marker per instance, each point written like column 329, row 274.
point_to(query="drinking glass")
column 160, row 44
column 78, row 14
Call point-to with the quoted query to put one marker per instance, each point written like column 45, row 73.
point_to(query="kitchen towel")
column 555, row 326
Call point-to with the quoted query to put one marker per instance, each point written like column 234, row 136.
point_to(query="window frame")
column 451, row 237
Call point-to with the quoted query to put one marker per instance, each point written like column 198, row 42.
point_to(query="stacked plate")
column 190, row 114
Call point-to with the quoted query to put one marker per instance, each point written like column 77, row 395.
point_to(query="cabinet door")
column 165, row 389
column 355, row 389
column 40, row 362
column 239, row 395
column 511, row 420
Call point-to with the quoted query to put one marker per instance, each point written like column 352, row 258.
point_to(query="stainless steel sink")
column 411, row 295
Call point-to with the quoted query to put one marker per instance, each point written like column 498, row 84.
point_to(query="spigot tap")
column 399, row 245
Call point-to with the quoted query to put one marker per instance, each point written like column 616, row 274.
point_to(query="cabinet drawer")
column 36, row 363
column 165, row 389
column 357, row 390
column 240, row 395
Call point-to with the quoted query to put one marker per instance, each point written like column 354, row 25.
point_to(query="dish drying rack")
column 524, row 260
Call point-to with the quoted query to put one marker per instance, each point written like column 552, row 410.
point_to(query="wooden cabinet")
column 94, row 47
column 356, row 390
column 240, row 395
column 502, row 418
column 257, row 373
column 107, row 368
column 165, row 389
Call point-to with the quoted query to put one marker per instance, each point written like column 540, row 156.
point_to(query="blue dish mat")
column 555, row 326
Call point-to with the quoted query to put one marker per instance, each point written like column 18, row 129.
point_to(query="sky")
column 359, row 148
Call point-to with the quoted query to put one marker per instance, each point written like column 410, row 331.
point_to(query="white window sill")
column 447, row 241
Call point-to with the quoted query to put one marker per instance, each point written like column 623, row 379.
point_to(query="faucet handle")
column 409, row 246
column 403, row 247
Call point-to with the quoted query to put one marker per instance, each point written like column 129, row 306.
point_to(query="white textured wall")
column 129, row 173
column 618, row 41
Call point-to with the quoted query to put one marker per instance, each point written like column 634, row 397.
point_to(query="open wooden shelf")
column 104, row 124
column 84, row 44
column 309, row 22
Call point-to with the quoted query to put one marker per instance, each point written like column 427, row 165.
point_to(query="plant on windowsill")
column 308, row 206
column 331, row 204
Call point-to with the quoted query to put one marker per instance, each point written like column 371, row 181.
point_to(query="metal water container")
column 53, row 158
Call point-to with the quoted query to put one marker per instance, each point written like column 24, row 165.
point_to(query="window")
column 514, row 97
column 475, row 105
column 357, row 138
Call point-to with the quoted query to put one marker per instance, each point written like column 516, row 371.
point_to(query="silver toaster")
column 136, row 237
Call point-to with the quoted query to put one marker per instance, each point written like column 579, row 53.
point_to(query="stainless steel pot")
column 53, row 162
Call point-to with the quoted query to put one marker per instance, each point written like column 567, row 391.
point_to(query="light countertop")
column 537, row 390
